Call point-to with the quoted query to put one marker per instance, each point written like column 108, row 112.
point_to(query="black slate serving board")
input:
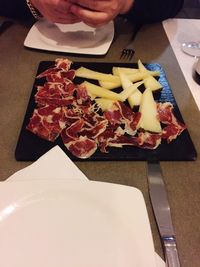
column 30, row 147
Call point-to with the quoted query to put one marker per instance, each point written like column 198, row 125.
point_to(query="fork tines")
column 127, row 53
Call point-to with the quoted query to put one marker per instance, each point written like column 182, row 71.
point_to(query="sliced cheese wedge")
column 134, row 100
column 152, row 83
column 110, row 85
column 91, row 74
column 117, row 70
column 149, row 116
column 128, row 87
column 99, row 91
column 141, row 66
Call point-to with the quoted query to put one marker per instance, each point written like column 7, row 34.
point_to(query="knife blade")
column 161, row 209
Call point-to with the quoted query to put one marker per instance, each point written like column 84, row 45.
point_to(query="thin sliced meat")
column 94, row 131
column 57, row 94
column 47, row 72
column 171, row 131
column 82, row 147
column 74, row 129
column 63, row 63
column 123, row 140
column 174, row 128
column 47, row 122
column 113, row 116
column 61, row 72
column 165, row 112
column 149, row 140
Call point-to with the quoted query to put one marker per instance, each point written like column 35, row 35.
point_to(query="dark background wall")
column 191, row 9
column 192, row 3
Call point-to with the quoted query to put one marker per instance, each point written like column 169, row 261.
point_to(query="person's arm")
column 148, row 11
column 94, row 13
column 52, row 10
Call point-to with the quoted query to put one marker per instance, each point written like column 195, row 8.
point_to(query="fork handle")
column 4, row 24
column 137, row 27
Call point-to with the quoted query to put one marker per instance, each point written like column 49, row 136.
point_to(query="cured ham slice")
column 57, row 94
column 47, row 122
column 74, row 129
column 81, row 135
column 121, row 114
column 56, row 75
column 166, row 116
column 61, row 72
column 165, row 112
column 81, row 147
column 123, row 140
column 171, row 131
column 149, row 140
column 63, row 63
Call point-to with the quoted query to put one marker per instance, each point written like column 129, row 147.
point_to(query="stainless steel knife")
column 161, row 208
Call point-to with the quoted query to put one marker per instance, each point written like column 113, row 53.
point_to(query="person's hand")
column 55, row 11
column 96, row 13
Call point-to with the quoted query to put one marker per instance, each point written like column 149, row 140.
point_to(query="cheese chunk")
column 152, row 83
column 99, row 91
column 128, row 87
column 95, row 75
column 149, row 116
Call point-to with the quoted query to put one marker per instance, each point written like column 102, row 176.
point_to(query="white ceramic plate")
column 70, row 38
column 73, row 224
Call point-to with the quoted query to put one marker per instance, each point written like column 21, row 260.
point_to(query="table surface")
column 17, row 72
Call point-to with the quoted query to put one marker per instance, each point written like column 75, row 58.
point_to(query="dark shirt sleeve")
column 143, row 11
column 149, row 11
column 16, row 9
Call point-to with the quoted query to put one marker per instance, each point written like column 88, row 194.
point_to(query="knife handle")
column 171, row 253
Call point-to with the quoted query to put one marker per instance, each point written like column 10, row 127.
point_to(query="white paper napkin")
column 56, row 164
column 179, row 31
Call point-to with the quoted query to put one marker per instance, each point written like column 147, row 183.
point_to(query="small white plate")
column 70, row 38
column 58, row 223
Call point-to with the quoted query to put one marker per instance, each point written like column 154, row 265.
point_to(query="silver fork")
column 128, row 52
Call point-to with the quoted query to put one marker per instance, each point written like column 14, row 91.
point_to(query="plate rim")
column 88, row 51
